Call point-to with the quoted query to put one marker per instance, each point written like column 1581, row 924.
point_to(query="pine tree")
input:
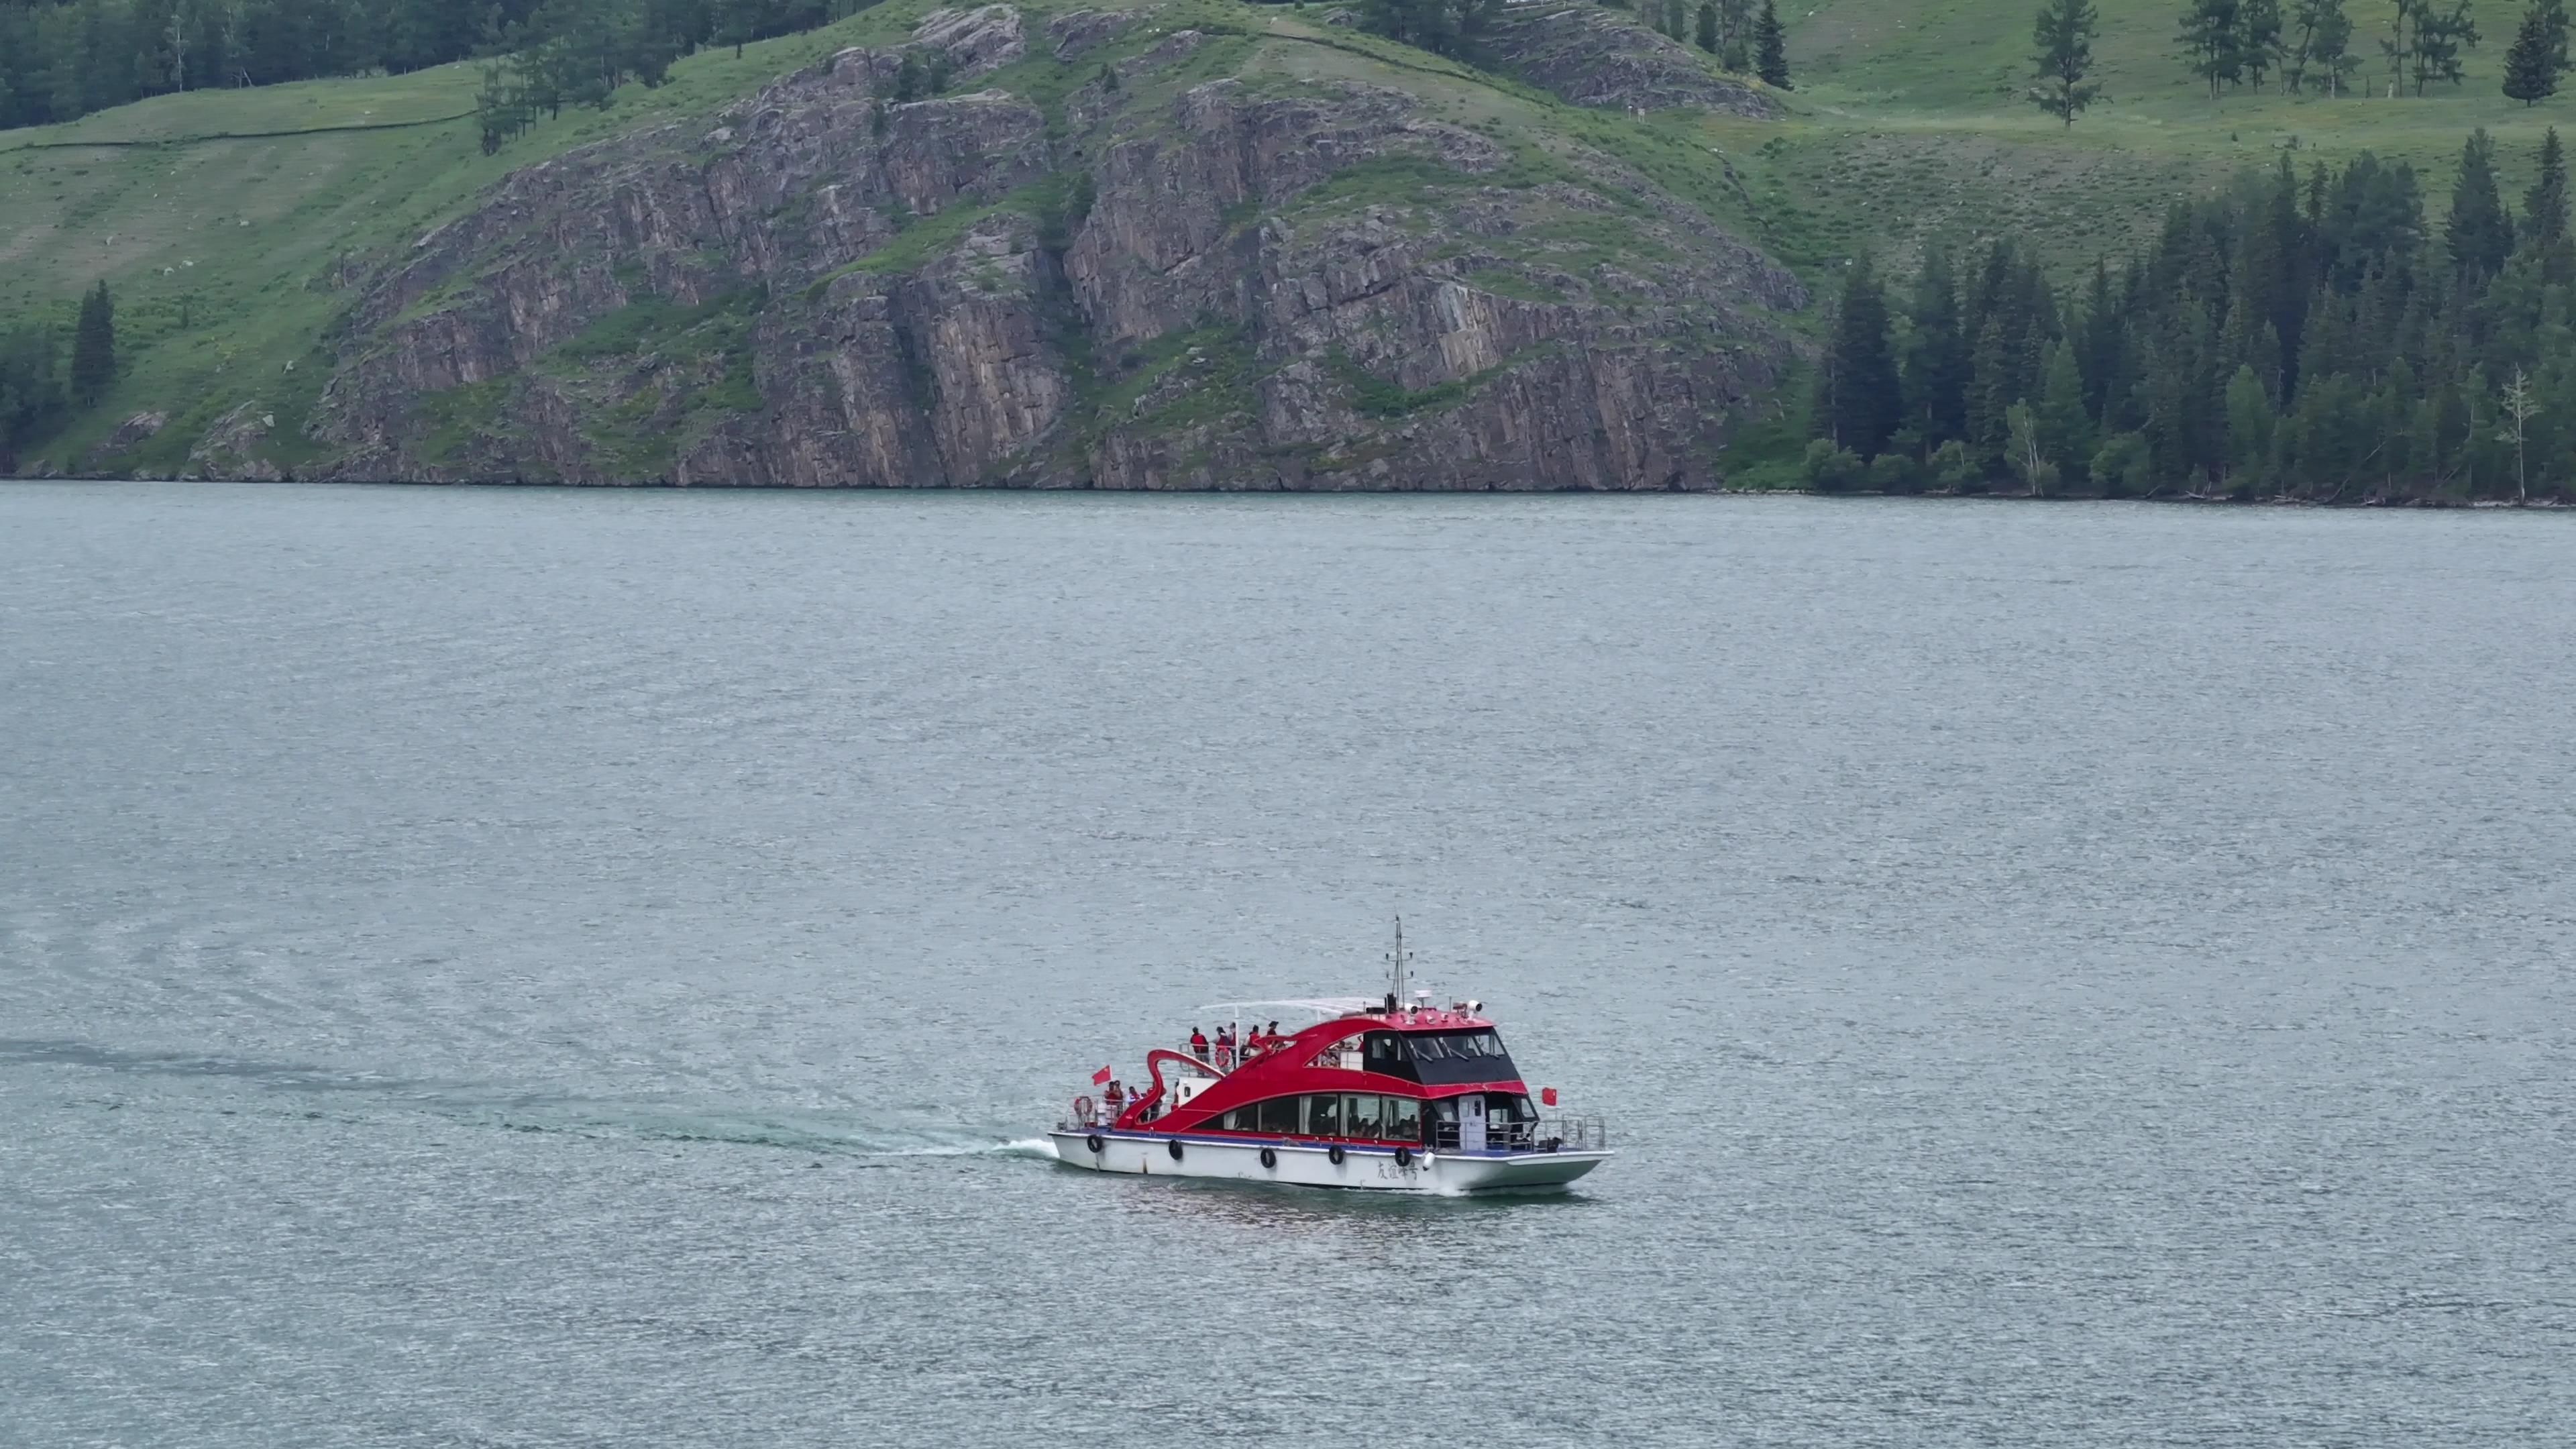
column 1862, row 402
column 2258, row 37
column 1936, row 362
column 1989, row 397
column 94, row 347
column 2062, row 55
column 2329, row 44
column 1707, row 29
column 1735, row 35
column 2479, row 235
column 2531, row 64
column 2439, row 37
column 2065, row 431
column 2544, row 206
column 2249, row 429
column 2209, row 38
column 1770, row 47
column 1673, row 23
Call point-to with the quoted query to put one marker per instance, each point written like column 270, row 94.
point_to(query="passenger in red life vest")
column 1225, row 1048
column 1198, row 1044
column 1113, row 1097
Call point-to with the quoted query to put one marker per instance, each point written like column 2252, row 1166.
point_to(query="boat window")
column 1435, row 1045
column 1442, row 1058
column 1240, row 1120
column 1360, row 1116
column 1279, row 1114
column 1324, row 1115
column 1403, row 1120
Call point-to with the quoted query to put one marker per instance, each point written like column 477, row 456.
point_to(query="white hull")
column 1305, row 1164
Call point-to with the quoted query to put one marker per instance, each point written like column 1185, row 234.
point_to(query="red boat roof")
column 1291, row 1067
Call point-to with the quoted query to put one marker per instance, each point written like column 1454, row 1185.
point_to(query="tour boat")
column 1393, row 1093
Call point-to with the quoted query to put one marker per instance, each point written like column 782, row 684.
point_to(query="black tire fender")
column 1334, row 1153
column 1095, row 1144
column 1270, row 1158
column 1176, row 1149
column 1404, row 1157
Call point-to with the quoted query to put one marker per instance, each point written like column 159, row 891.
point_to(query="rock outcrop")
column 1123, row 273
column 1608, row 58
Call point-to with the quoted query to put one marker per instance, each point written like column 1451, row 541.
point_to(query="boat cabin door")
column 1471, row 1122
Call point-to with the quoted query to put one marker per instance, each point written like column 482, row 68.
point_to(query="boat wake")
column 183, row 1080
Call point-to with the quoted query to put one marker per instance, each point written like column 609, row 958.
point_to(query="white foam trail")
column 1017, row 1147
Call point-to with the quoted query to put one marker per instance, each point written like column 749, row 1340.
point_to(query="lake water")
column 549, row 967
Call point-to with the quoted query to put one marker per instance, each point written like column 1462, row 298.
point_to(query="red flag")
column 1547, row 1095
column 1101, row 1079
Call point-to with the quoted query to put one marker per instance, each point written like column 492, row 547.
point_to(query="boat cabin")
column 1374, row 1074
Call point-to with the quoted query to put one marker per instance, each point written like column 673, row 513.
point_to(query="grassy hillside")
column 1912, row 122
column 222, row 237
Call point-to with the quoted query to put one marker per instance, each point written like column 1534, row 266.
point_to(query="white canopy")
column 1319, row 1007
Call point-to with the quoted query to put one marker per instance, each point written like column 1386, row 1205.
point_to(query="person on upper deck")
column 1198, row 1044
column 1225, row 1048
column 1113, row 1098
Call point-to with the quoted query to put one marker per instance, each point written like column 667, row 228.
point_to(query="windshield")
column 1435, row 1045
column 1441, row 1057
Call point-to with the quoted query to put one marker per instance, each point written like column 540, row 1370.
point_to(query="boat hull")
column 1311, row 1164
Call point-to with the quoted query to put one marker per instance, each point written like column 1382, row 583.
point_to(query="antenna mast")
column 1396, row 961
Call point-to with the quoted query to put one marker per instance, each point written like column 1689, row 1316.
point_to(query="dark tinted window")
column 1324, row 1115
column 1279, row 1114
column 1239, row 1120
column 1360, row 1115
column 1443, row 1057
column 1403, row 1120
column 1435, row 1045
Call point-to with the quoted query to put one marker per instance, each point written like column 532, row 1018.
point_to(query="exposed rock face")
column 1173, row 283
column 1597, row 57
column 230, row 449
column 126, row 434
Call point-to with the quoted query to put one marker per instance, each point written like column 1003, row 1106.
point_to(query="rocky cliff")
column 1131, row 249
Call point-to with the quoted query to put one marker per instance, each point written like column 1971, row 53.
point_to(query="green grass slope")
column 221, row 237
column 1912, row 123
column 223, row 219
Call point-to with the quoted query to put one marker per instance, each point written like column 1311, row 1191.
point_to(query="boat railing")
column 1547, row 1134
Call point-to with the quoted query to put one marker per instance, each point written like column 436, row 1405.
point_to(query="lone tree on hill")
column 2530, row 74
column 2539, row 53
column 1770, row 48
column 2062, row 52
column 1707, row 36
column 2324, row 45
column 2210, row 39
column 94, row 347
column 2258, row 38
column 1735, row 35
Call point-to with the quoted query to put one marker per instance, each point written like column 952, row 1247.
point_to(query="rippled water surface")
column 532, row 968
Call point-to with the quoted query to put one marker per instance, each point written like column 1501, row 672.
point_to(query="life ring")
column 1082, row 1109
column 1095, row 1144
column 1269, row 1158
column 1176, row 1149
column 1334, row 1153
column 1404, row 1157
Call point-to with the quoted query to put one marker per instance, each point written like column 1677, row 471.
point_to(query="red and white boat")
column 1392, row 1094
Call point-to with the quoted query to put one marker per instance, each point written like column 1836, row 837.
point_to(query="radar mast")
column 1396, row 961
